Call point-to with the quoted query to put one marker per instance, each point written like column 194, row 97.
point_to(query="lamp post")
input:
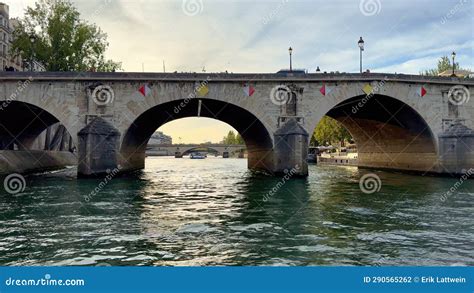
column 32, row 41
column 454, row 64
column 361, row 47
column 290, row 50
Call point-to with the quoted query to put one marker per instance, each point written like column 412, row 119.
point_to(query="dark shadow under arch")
column 21, row 123
column 388, row 133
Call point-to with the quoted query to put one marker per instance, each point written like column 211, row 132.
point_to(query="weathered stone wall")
column 34, row 161
column 67, row 97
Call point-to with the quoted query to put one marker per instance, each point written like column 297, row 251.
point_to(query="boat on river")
column 197, row 156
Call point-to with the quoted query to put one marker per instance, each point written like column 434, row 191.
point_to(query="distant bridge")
column 180, row 150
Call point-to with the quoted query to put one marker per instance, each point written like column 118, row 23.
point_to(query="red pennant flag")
column 145, row 90
column 249, row 90
column 325, row 90
column 421, row 91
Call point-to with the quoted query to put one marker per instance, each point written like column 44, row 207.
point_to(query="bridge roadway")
column 399, row 122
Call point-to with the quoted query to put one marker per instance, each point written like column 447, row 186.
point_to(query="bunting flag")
column 145, row 90
column 421, row 91
column 202, row 90
column 368, row 89
column 325, row 90
column 249, row 90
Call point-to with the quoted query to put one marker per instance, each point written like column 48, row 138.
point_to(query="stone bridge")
column 399, row 122
column 180, row 150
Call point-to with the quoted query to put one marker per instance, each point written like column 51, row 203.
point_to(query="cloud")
column 254, row 36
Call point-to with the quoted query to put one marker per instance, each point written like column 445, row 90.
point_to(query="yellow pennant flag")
column 367, row 89
column 202, row 90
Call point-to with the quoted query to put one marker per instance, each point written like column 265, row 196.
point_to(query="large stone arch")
column 25, row 141
column 256, row 134
column 21, row 123
column 56, row 99
column 389, row 133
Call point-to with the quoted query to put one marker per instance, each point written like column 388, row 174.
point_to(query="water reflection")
column 216, row 212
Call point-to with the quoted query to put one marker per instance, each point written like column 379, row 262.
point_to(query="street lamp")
column 32, row 41
column 454, row 65
column 290, row 50
column 361, row 46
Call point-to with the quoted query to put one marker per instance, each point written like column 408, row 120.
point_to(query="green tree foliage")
column 63, row 41
column 239, row 139
column 444, row 63
column 329, row 131
column 232, row 138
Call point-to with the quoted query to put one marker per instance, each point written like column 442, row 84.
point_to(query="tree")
column 230, row 138
column 443, row 64
column 329, row 131
column 239, row 139
column 62, row 40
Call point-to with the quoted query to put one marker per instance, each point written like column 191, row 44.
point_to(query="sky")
column 404, row 36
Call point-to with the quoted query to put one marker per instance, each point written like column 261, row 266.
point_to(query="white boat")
column 197, row 156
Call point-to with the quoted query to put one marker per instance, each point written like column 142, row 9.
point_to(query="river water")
column 216, row 212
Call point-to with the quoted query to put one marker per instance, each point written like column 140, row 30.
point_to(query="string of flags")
column 203, row 89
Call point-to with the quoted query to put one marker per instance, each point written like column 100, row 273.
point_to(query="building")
column 5, row 35
column 7, row 60
column 160, row 138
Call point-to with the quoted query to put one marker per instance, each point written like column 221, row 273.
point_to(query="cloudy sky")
column 405, row 36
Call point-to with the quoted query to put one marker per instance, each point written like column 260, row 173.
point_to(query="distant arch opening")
column 255, row 135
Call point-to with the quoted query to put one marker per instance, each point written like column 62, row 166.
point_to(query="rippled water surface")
column 213, row 212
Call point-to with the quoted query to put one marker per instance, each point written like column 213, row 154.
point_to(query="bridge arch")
column 217, row 150
column 256, row 135
column 388, row 133
column 21, row 123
